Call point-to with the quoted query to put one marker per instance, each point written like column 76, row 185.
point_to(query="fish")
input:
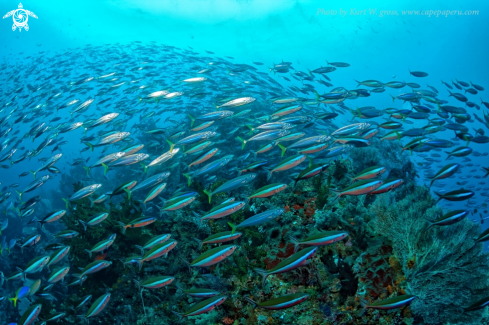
column 35, row 265
column 202, row 307
column 93, row 268
column 137, row 223
column 94, row 220
column 290, row 263
column 390, row 303
column 447, row 171
column 58, row 255
column 258, row 219
column 82, row 193
column 156, row 251
column 286, row 164
column 83, row 301
column 320, row 239
column 457, row 195
column 360, row 188
column 222, row 210
column 418, row 74
column 102, row 245
column 21, row 293
column 58, row 274
column 220, row 237
column 212, row 256
column 199, row 292
column 52, row 217
column 97, row 307
column 477, row 305
column 282, row 302
column 153, row 241
column 449, row 218
column 232, row 184
column 30, row 315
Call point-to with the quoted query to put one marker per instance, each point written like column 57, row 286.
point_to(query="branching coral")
column 441, row 267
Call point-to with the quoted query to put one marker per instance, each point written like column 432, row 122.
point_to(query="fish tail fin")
column 393, row 98
column 188, row 264
column 311, row 160
column 251, row 128
column 283, row 149
column 199, row 242
column 431, row 224
column 336, row 196
column 14, row 301
column 250, row 301
column 233, row 227
column 66, row 202
column 128, row 192
column 123, row 227
column 145, row 168
column 89, row 252
column 91, row 202
column 180, row 316
column 140, row 262
column 171, row 144
column 20, row 195
column 192, row 119
column 243, row 142
column 87, row 169
column 141, row 249
column 33, row 173
column 295, row 242
column 209, row 194
column 269, row 175
column 106, row 168
column 189, row 178
column 84, row 224
column 217, row 106
column 89, row 145
column 264, row 274
column 364, row 304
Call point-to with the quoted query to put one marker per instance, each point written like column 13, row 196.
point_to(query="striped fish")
column 30, row 315
column 156, row 251
column 212, row 256
column 290, row 263
column 457, row 195
column 286, row 164
column 199, row 292
column 58, row 255
column 58, row 274
column 155, row 282
column 97, row 307
column 102, row 245
column 283, row 302
column 445, row 172
column 323, row 238
column 137, row 223
column 258, row 219
column 202, row 307
column 153, row 241
column 449, row 218
column 220, row 237
column 390, row 303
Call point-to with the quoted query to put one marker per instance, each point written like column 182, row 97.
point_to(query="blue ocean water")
column 380, row 40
